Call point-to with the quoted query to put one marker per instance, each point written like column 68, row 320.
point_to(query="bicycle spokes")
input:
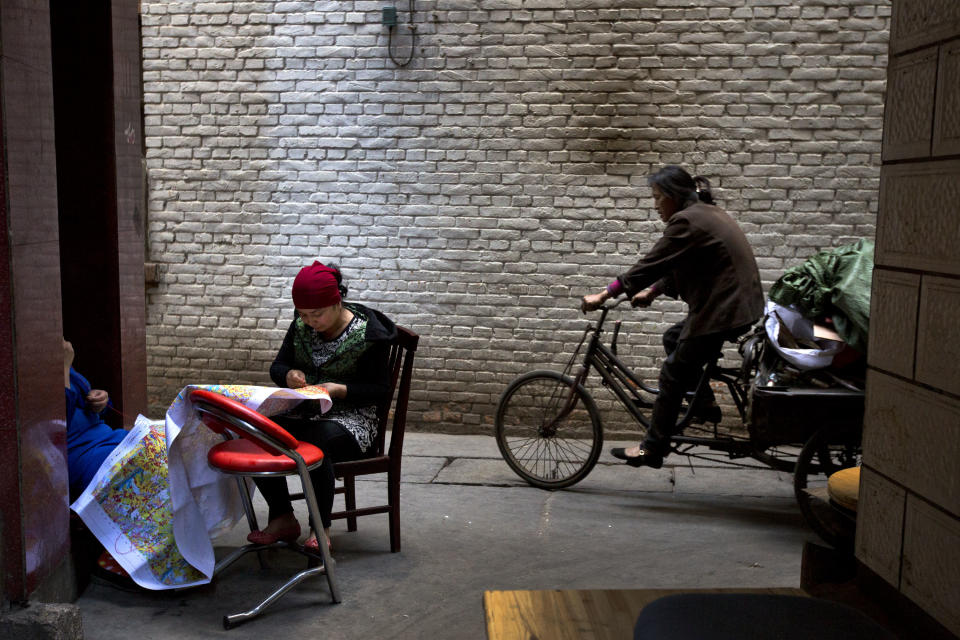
column 550, row 458
column 546, row 430
column 560, row 406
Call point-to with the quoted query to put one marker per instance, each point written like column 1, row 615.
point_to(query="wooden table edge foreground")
column 578, row 614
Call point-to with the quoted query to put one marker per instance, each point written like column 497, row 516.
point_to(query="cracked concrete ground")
column 468, row 525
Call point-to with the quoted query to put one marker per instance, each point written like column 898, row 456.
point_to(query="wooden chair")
column 254, row 445
column 401, row 372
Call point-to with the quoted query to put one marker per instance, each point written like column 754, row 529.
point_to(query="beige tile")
column 893, row 321
column 931, row 562
column 880, row 525
column 938, row 341
column 908, row 115
column 912, row 436
column 946, row 122
column 919, row 22
column 915, row 226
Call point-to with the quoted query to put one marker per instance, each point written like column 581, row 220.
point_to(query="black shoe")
column 647, row 458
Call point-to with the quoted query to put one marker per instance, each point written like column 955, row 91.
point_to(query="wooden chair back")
column 402, row 352
column 400, row 364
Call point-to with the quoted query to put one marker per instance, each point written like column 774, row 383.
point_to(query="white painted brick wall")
column 477, row 193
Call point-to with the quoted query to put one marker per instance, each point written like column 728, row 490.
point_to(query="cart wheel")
column 827, row 451
column 546, row 447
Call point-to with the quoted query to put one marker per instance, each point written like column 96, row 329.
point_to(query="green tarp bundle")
column 834, row 283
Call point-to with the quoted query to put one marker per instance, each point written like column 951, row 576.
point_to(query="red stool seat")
column 245, row 456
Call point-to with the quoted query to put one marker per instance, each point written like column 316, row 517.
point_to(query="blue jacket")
column 89, row 439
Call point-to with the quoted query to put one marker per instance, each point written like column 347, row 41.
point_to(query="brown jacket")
column 704, row 259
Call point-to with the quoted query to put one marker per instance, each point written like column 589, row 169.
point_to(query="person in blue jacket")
column 89, row 439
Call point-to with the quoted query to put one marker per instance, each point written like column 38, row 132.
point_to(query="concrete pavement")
column 468, row 525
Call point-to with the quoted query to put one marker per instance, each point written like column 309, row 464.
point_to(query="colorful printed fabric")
column 156, row 505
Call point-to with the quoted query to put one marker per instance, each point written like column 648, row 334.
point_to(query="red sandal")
column 313, row 545
column 108, row 572
column 289, row 534
column 108, row 563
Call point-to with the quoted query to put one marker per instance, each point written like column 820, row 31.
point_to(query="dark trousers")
column 671, row 340
column 680, row 372
column 337, row 444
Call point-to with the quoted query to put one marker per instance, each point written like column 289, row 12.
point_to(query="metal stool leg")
column 238, row 618
column 222, row 414
column 327, row 568
column 251, row 516
column 322, row 545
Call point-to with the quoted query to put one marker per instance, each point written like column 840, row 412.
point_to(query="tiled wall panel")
column 946, row 129
column 880, row 525
column 931, row 564
column 908, row 529
column 938, row 340
column 918, row 227
column 893, row 321
column 908, row 118
column 912, row 436
column 920, row 22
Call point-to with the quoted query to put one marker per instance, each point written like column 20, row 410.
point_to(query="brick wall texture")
column 476, row 193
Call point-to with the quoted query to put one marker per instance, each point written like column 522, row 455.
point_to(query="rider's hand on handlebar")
column 643, row 298
column 594, row 301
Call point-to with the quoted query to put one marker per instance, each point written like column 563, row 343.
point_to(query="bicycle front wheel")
column 548, row 429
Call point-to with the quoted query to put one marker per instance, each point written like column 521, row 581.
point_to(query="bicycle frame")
column 550, row 432
column 628, row 389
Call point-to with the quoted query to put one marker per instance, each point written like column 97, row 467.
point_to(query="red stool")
column 257, row 446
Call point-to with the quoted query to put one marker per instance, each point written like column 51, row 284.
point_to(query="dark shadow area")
column 713, row 509
column 837, row 576
column 82, row 50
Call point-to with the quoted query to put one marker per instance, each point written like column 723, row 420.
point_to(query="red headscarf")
column 315, row 287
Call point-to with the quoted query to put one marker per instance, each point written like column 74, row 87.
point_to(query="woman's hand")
column 296, row 379
column 644, row 298
column 97, row 400
column 335, row 389
column 594, row 301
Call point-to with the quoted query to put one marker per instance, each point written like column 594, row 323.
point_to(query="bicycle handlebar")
column 609, row 306
column 615, row 304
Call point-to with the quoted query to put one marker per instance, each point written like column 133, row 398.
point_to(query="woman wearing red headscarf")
column 344, row 347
